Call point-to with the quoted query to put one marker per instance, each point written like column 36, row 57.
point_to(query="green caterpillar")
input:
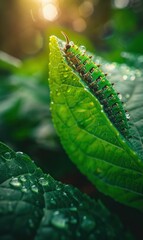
column 98, row 84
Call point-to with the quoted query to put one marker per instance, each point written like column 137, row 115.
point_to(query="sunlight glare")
column 50, row 12
column 121, row 3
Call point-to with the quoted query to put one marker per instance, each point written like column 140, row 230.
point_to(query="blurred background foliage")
column 108, row 28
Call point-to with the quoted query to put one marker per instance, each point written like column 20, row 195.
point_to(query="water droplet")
column 59, row 221
column 120, row 96
column 132, row 78
column 65, row 194
column 15, row 182
column 7, row 156
column 34, row 189
column 127, row 95
column 81, row 204
column 127, row 115
column 58, row 188
column 52, row 102
column 65, row 75
column 73, row 209
column 102, row 111
column 56, row 212
column 53, row 202
column 82, row 48
column 19, row 154
column 98, row 170
column 22, row 178
column 91, row 104
column 24, row 189
column 73, row 220
column 88, row 224
column 86, row 88
column 71, row 43
column 43, row 182
column 125, row 77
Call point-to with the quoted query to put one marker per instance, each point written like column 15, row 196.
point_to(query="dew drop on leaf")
column 19, row 154
column 82, row 48
column 34, row 189
column 7, row 156
column 24, row 189
column 59, row 221
column 43, row 182
column 127, row 115
column 127, row 95
column 86, row 88
column 52, row 201
column 58, row 188
column 132, row 78
column 15, row 182
column 120, row 96
column 73, row 220
column 64, row 193
column 88, row 224
column 73, row 209
column 91, row 104
column 22, row 178
column 125, row 77
column 56, row 212
column 71, row 43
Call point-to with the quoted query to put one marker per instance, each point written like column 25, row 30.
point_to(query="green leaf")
column 35, row 206
column 128, row 81
column 91, row 141
column 8, row 63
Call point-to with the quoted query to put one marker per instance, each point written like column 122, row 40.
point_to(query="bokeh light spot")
column 86, row 9
column 50, row 12
column 79, row 25
column 31, row 41
column 121, row 3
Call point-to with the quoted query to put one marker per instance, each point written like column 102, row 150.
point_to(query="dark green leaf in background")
column 35, row 206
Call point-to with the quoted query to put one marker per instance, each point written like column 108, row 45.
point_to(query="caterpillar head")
column 67, row 46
